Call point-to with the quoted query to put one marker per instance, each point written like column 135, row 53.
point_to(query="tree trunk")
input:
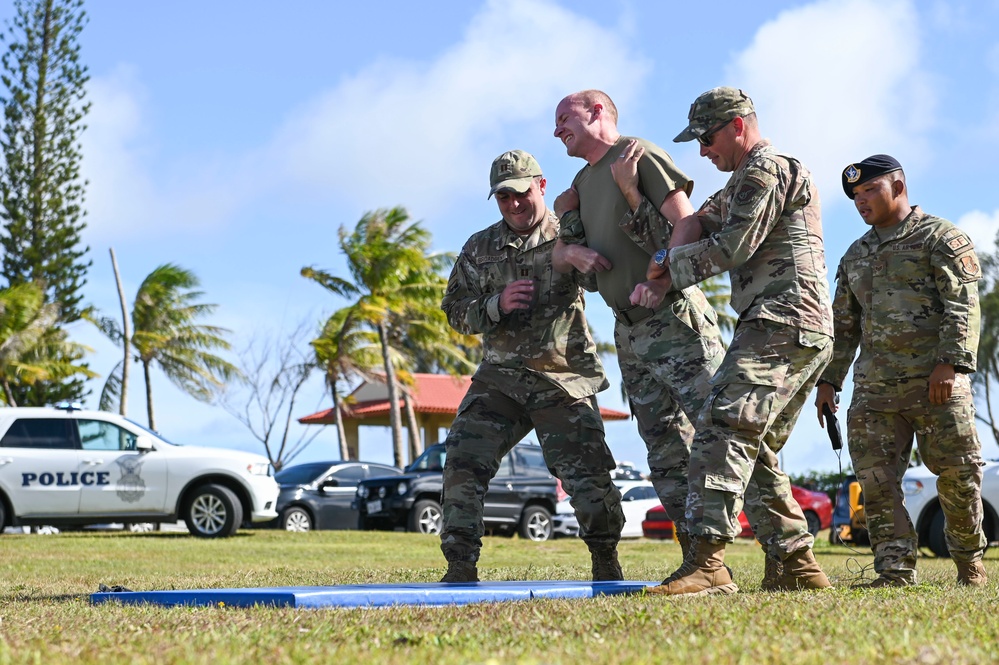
column 126, row 326
column 341, row 433
column 395, row 420
column 415, row 440
column 9, row 393
column 149, row 395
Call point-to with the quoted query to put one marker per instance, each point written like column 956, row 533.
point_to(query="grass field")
column 45, row 616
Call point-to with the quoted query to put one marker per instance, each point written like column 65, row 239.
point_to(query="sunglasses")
column 706, row 139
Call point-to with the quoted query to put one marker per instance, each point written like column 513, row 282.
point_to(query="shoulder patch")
column 958, row 243
column 970, row 267
column 746, row 193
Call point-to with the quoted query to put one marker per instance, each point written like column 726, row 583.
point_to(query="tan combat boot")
column 971, row 573
column 702, row 573
column 883, row 582
column 460, row 571
column 773, row 571
column 605, row 566
column 800, row 572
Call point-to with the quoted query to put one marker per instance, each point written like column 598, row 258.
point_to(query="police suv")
column 65, row 466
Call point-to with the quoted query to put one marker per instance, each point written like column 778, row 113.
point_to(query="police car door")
column 39, row 467
column 136, row 481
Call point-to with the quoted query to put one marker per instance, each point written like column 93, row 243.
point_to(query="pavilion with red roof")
column 435, row 399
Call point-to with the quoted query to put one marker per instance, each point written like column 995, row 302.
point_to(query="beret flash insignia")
column 852, row 173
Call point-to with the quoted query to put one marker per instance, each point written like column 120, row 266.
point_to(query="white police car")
column 65, row 466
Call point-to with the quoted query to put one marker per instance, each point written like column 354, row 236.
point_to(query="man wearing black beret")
column 907, row 295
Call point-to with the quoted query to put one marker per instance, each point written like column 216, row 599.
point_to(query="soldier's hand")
column 656, row 271
column 567, row 200
column 517, row 295
column 586, row 260
column 941, row 383
column 825, row 393
column 650, row 294
column 625, row 172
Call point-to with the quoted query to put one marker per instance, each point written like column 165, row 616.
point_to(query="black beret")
column 872, row 167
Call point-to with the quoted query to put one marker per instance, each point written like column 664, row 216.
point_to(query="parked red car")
column 817, row 507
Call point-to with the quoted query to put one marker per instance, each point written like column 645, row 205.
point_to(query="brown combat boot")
column 702, row 573
column 883, row 582
column 971, row 573
column 773, row 571
column 460, row 571
column 605, row 566
column 800, row 572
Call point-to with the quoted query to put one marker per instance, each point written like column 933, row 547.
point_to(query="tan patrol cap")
column 514, row 170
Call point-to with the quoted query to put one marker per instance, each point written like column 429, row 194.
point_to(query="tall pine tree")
column 41, row 191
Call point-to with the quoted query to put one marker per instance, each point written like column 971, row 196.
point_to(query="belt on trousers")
column 633, row 315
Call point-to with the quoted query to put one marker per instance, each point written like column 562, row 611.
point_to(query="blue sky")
column 234, row 138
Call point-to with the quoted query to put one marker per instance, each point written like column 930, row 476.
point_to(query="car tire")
column 536, row 524
column 814, row 523
column 296, row 519
column 3, row 517
column 935, row 539
column 213, row 511
column 426, row 517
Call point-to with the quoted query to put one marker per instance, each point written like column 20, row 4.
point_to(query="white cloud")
column 823, row 98
column 416, row 132
column 982, row 227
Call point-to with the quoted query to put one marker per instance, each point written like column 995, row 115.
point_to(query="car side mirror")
column 330, row 483
column 143, row 443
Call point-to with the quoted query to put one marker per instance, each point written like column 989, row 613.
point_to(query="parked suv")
column 521, row 497
column 66, row 466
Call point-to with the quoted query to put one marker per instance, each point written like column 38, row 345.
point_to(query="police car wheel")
column 426, row 517
column 213, row 511
column 296, row 519
column 536, row 524
column 3, row 517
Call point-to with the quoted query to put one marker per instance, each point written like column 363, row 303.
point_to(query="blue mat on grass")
column 373, row 595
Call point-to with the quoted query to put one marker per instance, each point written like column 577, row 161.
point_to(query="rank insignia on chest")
column 970, row 266
column 525, row 272
column 878, row 268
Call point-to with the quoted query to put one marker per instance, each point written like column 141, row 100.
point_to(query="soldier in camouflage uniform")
column 763, row 228
column 907, row 295
column 668, row 342
column 540, row 371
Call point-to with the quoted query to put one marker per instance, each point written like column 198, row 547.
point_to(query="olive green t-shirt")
column 602, row 207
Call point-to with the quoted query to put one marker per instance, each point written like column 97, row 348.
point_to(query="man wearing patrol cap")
column 539, row 371
column 764, row 229
column 907, row 295
column 668, row 341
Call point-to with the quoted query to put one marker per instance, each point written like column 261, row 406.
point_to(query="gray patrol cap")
column 514, row 169
column 712, row 108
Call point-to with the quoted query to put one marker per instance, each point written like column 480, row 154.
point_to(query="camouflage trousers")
column 882, row 421
column 757, row 395
column 490, row 423
column 667, row 361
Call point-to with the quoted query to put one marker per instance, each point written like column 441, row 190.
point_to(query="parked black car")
column 521, row 497
column 318, row 495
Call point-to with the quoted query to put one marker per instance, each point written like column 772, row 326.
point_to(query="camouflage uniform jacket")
column 550, row 339
column 765, row 229
column 908, row 297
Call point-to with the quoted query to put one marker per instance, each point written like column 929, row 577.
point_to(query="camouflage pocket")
column 742, row 407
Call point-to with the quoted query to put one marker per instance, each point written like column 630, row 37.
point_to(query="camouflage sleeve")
column 710, row 215
column 756, row 206
column 571, row 230
column 647, row 227
column 956, row 272
column 468, row 310
column 847, row 314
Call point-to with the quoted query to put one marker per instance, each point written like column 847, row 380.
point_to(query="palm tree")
column 164, row 318
column 31, row 347
column 719, row 295
column 396, row 280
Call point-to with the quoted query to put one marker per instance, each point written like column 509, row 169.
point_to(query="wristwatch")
column 660, row 258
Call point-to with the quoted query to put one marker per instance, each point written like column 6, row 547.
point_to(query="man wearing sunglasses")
column 765, row 230
column 668, row 342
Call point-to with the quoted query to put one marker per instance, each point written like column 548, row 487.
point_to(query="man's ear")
column 542, row 183
column 596, row 111
column 739, row 123
column 897, row 188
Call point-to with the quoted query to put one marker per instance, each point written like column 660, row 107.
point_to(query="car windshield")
column 149, row 431
column 432, row 459
column 300, row 474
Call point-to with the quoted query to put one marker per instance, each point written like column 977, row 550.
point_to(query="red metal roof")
column 432, row 393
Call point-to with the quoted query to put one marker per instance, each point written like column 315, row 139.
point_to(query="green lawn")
column 45, row 616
